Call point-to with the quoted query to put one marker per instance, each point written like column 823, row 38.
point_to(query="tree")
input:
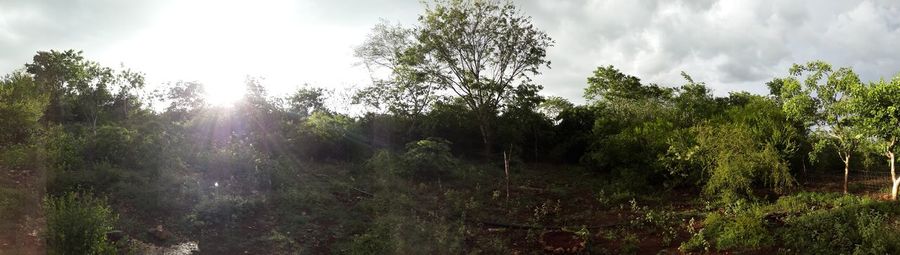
column 81, row 90
column 821, row 100
column 21, row 107
column 480, row 50
column 308, row 100
column 878, row 106
column 184, row 99
column 608, row 83
column 406, row 92
column 747, row 145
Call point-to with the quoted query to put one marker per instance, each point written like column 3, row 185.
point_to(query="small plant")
column 697, row 242
column 77, row 224
column 630, row 244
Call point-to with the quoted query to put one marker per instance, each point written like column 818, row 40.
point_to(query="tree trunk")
column 846, row 171
column 506, row 170
column 486, row 136
column 893, row 177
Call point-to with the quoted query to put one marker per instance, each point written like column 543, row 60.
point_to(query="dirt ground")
column 22, row 234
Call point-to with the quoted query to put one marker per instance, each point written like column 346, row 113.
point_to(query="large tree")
column 80, row 90
column 480, row 50
column 391, row 54
column 878, row 105
column 819, row 97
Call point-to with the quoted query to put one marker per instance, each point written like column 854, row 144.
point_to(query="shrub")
column 20, row 157
column 64, row 149
column 743, row 231
column 855, row 229
column 77, row 224
column 99, row 178
column 110, row 144
column 429, row 158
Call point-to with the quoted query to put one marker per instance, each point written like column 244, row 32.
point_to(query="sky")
column 730, row 45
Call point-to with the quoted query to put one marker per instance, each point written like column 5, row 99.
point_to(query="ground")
column 541, row 199
column 21, row 221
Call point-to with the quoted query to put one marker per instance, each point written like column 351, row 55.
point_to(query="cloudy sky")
column 731, row 45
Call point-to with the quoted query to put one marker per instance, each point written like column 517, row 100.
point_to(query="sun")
column 224, row 94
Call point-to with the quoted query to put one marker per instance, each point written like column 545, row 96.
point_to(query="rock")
column 115, row 236
column 160, row 233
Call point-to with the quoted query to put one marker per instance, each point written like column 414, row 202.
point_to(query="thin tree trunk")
column 894, row 180
column 506, row 170
column 846, row 171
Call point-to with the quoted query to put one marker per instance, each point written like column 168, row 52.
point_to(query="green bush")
column 811, row 201
column 98, row 178
column 814, row 223
column 20, row 157
column 856, row 229
column 77, row 224
column 428, row 159
column 64, row 149
column 743, row 231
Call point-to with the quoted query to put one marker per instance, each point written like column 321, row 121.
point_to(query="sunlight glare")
column 224, row 94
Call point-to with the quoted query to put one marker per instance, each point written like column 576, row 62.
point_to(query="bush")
column 814, row 223
column 98, row 178
column 77, row 224
column 20, row 157
column 111, row 144
column 428, row 159
column 743, row 231
column 856, row 229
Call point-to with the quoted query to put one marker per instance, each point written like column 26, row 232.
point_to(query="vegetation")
column 77, row 224
column 458, row 151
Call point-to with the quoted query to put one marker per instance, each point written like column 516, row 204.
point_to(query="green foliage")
column 510, row 49
column 748, row 147
column 82, row 91
column 428, row 159
column 22, row 156
column 856, row 230
column 11, row 201
column 401, row 221
column 608, row 83
column 110, row 144
column 77, row 223
column 307, row 100
column 21, row 107
column 820, row 223
column 224, row 210
column 743, row 230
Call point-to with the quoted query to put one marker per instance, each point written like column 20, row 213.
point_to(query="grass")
column 819, row 223
column 11, row 204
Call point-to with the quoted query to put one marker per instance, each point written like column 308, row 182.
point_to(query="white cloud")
column 730, row 44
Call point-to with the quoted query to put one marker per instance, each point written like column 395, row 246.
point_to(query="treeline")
column 456, row 85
